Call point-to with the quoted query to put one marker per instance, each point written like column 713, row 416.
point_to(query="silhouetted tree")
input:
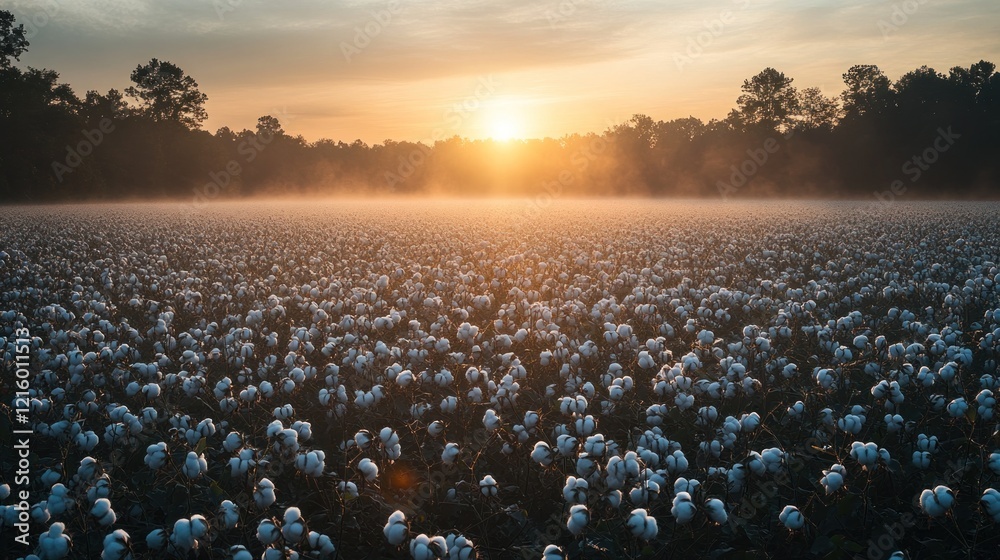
column 869, row 91
column 166, row 94
column 12, row 40
column 816, row 111
column 769, row 100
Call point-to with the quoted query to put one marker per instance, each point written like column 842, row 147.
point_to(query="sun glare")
column 504, row 128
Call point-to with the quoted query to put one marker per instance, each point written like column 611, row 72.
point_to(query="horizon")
column 424, row 69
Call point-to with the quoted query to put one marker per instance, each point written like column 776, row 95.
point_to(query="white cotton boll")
column 460, row 548
column 575, row 490
column 59, row 500
column 676, row 462
column 293, row 529
column 851, row 424
column 488, row 486
column 263, row 494
column 861, row 342
column 156, row 539
column 230, row 514
column 614, row 498
column 348, row 489
column 553, row 552
column 750, row 422
column 435, row 428
column 491, row 421
column 368, row 469
column 103, row 513
column 194, row 465
column 54, row 543
column 156, row 455
column 685, row 485
column 994, row 462
column 938, row 501
column 925, row 443
column 646, row 491
column 542, row 454
column 921, row 459
column 958, row 407
column 449, row 404
column 566, row 445
column 893, row 423
column 864, row 453
column 683, row 508
column 642, row 525
column 233, row 441
column 423, row 547
column 833, row 479
column 116, row 546
column 311, row 463
column 320, row 544
column 991, row 503
column 792, row 518
column 395, row 529
column 267, row 532
column 579, row 517
column 182, row 538
column 716, row 511
column 450, row 453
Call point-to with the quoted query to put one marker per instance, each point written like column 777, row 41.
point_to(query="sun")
column 504, row 128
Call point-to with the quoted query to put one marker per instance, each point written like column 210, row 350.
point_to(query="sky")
column 422, row 70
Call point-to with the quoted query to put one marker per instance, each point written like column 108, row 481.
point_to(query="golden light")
column 504, row 128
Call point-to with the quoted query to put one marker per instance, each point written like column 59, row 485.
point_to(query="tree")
column 166, row 94
column 768, row 100
column 816, row 111
column 110, row 106
column 269, row 127
column 12, row 40
column 869, row 91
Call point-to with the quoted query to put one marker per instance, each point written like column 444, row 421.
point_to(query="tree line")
column 926, row 134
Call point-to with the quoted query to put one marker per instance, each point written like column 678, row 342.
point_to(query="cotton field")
column 507, row 379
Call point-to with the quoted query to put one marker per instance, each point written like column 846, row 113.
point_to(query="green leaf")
column 202, row 444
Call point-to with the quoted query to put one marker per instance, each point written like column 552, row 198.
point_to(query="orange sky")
column 418, row 70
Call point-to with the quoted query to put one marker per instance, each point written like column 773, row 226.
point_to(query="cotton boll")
column 792, row 518
column 156, row 455
column 937, row 501
column 991, row 503
column 321, row 544
column 683, row 508
column 542, row 454
column 268, row 532
column 263, row 494
column 54, row 543
column 833, row 479
column 579, row 517
column 423, row 547
column 230, row 514
column 460, row 548
column 716, row 511
column 348, row 489
column 395, row 529
column 553, row 552
column 102, row 512
column 117, row 546
column 293, row 529
column 368, row 469
column 488, row 486
column 994, row 462
column 435, row 428
column 156, row 539
column 575, row 490
column 194, row 465
column 491, row 421
column 642, row 525
column 864, row 453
